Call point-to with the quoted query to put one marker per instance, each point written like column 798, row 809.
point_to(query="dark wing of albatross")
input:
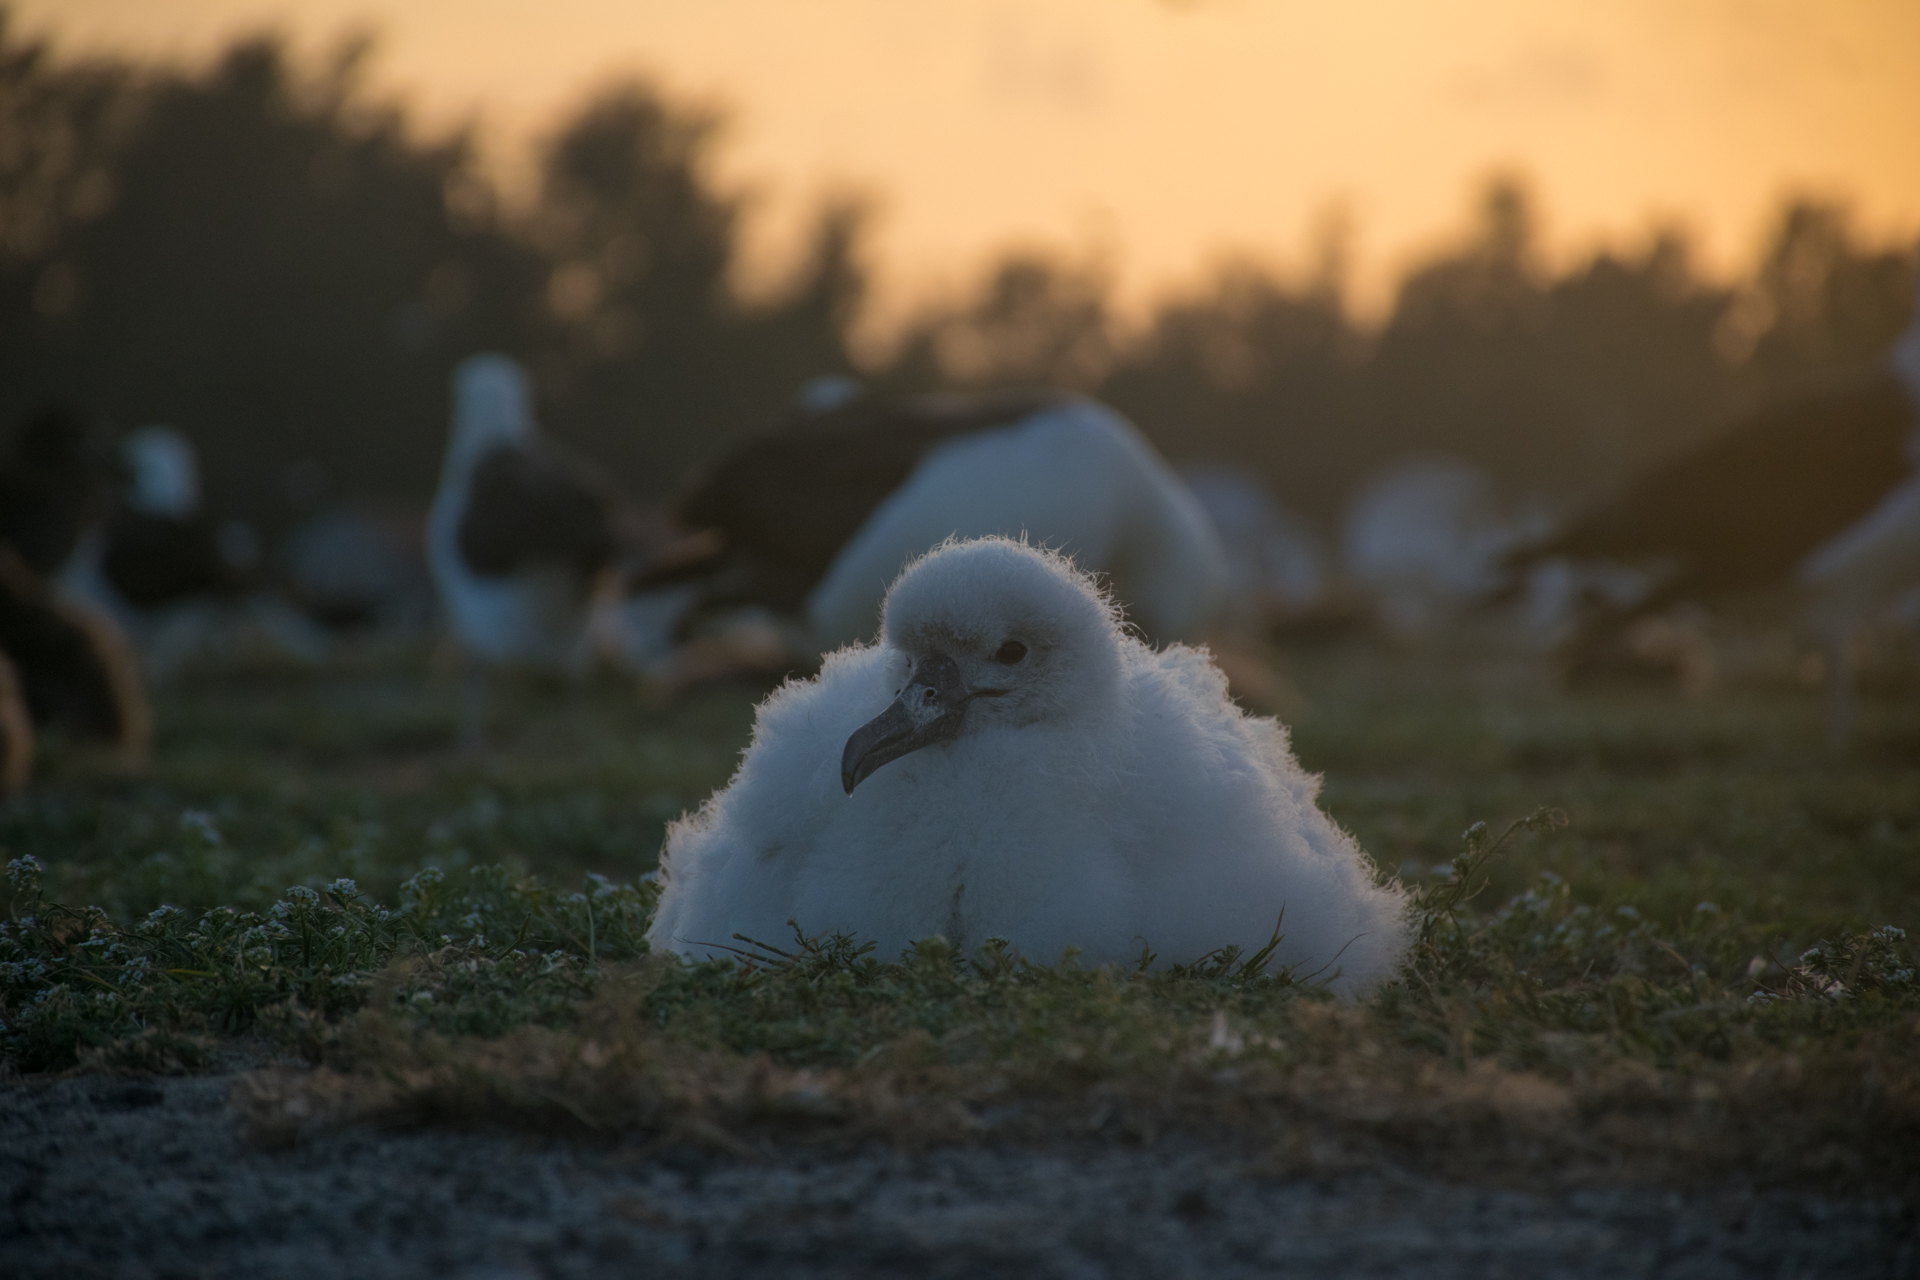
column 534, row 505
column 154, row 561
column 782, row 504
column 1744, row 509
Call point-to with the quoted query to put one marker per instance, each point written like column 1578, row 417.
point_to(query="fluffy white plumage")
column 538, row 615
column 1091, row 793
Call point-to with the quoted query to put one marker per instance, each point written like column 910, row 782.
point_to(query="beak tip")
column 850, row 771
column 899, row 730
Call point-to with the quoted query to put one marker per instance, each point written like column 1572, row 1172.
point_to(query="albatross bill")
column 932, row 708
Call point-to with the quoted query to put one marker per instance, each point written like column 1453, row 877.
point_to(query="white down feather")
column 1116, row 799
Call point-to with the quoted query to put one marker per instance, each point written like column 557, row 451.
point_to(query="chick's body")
column 1112, row 798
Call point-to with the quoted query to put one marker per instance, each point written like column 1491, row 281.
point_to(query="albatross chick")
column 1006, row 761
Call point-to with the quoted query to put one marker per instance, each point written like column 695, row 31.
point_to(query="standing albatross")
column 518, row 536
column 1008, row 761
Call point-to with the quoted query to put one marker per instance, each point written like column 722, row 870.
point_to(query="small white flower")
column 1222, row 1038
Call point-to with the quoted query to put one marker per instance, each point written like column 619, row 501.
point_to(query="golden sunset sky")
column 1164, row 135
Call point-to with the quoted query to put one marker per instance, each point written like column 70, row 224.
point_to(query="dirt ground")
column 153, row 1178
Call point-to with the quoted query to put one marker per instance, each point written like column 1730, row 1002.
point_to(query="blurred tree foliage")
column 1036, row 321
column 1560, row 385
column 268, row 257
column 653, row 361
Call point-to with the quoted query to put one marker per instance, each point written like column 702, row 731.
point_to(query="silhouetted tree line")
column 1560, row 385
column 269, row 258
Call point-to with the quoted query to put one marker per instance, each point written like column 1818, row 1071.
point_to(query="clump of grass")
column 1547, row 1034
column 480, row 956
column 1549, row 983
column 265, row 778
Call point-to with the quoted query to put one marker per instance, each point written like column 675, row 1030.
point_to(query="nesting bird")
column 68, row 667
column 1007, row 761
column 813, row 520
column 73, row 666
column 354, row 570
column 520, row 529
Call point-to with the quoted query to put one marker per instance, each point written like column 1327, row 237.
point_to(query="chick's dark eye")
column 1009, row 653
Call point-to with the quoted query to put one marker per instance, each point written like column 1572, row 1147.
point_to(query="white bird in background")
column 519, row 532
column 159, row 566
column 1007, row 761
column 1277, row 568
column 814, row 520
column 1424, row 538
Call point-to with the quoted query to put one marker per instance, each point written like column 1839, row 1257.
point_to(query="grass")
column 1694, row 961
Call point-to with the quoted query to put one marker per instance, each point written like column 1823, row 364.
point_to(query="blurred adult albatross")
column 814, row 519
column 161, row 549
column 519, row 532
column 1820, row 496
column 1007, row 761
column 158, row 566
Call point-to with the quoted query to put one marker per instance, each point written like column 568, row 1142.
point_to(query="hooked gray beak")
column 929, row 710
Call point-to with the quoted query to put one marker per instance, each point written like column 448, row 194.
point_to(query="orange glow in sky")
column 1164, row 135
